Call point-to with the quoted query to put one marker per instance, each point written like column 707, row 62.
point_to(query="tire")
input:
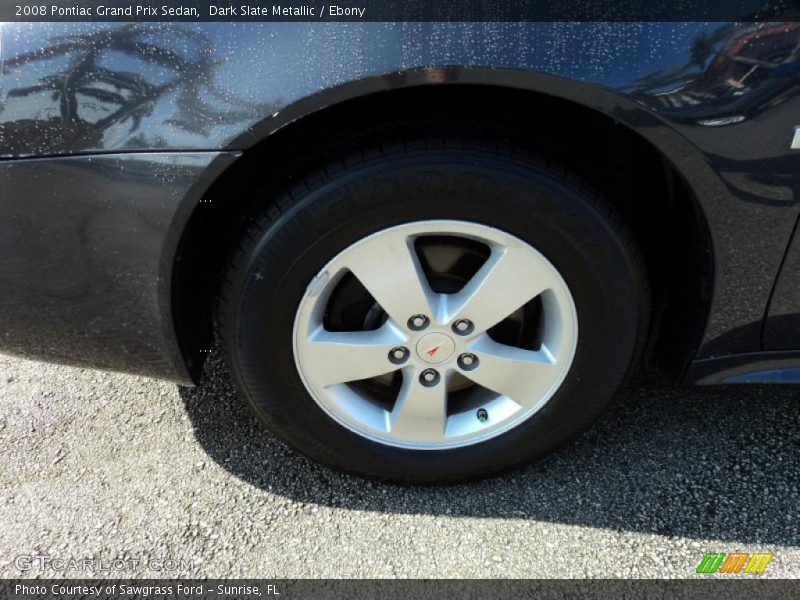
column 452, row 184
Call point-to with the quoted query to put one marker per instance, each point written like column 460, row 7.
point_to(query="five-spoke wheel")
column 459, row 382
column 431, row 310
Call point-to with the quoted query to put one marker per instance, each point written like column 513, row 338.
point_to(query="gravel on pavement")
column 113, row 467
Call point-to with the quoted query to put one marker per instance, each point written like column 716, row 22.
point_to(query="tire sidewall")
column 555, row 217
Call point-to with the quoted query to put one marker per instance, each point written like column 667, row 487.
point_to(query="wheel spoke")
column 340, row 357
column 388, row 267
column 420, row 412
column 524, row 376
column 503, row 284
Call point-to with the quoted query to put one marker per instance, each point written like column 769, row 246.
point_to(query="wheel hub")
column 435, row 348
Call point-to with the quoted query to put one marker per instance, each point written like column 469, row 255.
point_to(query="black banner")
column 399, row 10
column 248, row 589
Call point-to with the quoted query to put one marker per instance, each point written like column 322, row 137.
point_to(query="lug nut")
column 467, row 361
column 398, row 355
column 418, row 322
column 463, row 327
column 429, row 377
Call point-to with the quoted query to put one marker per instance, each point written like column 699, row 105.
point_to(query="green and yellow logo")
column 734, row 562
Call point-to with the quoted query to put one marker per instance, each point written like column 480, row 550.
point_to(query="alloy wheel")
column 435, row 334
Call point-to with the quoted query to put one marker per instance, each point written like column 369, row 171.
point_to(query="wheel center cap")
column 435, row 348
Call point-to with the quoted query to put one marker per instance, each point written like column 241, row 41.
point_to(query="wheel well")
column 644, row 187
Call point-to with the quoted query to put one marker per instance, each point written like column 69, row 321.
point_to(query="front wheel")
column 432, row 314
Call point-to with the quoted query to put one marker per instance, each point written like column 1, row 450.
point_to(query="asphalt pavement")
column 180, row 482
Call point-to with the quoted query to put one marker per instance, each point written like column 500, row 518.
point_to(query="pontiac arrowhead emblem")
column 432, row 351
column 435, row 348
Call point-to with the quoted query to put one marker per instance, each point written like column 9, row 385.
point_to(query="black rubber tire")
column 379, row 187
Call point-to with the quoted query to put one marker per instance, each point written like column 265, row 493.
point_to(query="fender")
column 229, row 91
column 726, row 201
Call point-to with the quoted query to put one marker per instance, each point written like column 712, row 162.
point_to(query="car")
column 427, row 251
